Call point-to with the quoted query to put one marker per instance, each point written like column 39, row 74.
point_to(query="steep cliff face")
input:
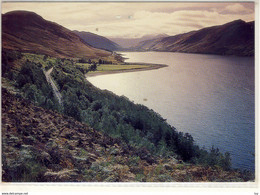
column 28, row 32
column 234, row 38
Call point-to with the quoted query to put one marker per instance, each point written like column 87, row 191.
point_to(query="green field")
column 109, row 67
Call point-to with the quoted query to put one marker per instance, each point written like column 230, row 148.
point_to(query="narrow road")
column 55, row 89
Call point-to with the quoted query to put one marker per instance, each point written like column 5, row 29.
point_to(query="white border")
column 154, row 188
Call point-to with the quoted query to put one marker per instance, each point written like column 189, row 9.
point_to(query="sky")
column 136, row 19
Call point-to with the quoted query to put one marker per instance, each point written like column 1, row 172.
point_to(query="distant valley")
column 129, row 43
column 233, row 38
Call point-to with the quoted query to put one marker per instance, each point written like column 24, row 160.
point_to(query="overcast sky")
column 137, row 19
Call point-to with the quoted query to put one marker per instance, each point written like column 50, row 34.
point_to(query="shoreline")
column 150, row 67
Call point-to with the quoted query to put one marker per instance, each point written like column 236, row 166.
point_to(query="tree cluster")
column 133, row 123
column 34, row 86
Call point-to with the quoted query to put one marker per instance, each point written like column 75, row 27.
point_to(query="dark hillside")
column 234, row 38
column 97, row 41
column 28, row 32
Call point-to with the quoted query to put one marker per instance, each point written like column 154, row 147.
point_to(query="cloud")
column 135, row 19
column 237, row 9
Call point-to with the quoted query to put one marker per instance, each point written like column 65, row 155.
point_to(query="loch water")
column 211, row 97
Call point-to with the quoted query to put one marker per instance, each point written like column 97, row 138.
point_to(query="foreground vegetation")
column 43, row 146
column 132, row 124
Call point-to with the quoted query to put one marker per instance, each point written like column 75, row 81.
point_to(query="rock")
column 80, row 160
column 111, row 178
column 72, row 144
column 164, row 178
column 180, row 162
column 29, row 140
column 114, row 151
column 129, row 177
column 180, row 172
column 168, row 167
column 26, row 152
column 95, row 166
column 45, row 157
column 64, row 175
column 173, row 161
column 106, row 170
column 13, row 140
column 55, row 167
column 99, row 149
column 51, row 145
column 92, row 157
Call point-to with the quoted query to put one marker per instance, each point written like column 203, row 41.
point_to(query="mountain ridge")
column 233, row 38
column 97, row 41
column 28, row 32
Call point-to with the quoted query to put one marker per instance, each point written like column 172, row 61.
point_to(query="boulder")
column 45, row 157
column 168, row 167
column 65, row 175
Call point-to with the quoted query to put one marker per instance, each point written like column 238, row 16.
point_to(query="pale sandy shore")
column 149, row 67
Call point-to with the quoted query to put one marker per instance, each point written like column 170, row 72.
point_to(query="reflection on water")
column 209, row 96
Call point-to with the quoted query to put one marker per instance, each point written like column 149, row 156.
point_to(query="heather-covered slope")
column 40, row 145
column 28, row 32
column 234, row 38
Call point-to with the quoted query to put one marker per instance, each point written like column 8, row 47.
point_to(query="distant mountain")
column 132, row 42
column 28, row 32
column 234, row 38
column 97, row 41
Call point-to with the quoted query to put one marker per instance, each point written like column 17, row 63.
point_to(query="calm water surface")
column 209, row 96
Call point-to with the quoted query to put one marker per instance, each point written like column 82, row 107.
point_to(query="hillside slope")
column 133, row 143
column 28, row 32
column 97, row 41
column 234, row 38
column 40, row 145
